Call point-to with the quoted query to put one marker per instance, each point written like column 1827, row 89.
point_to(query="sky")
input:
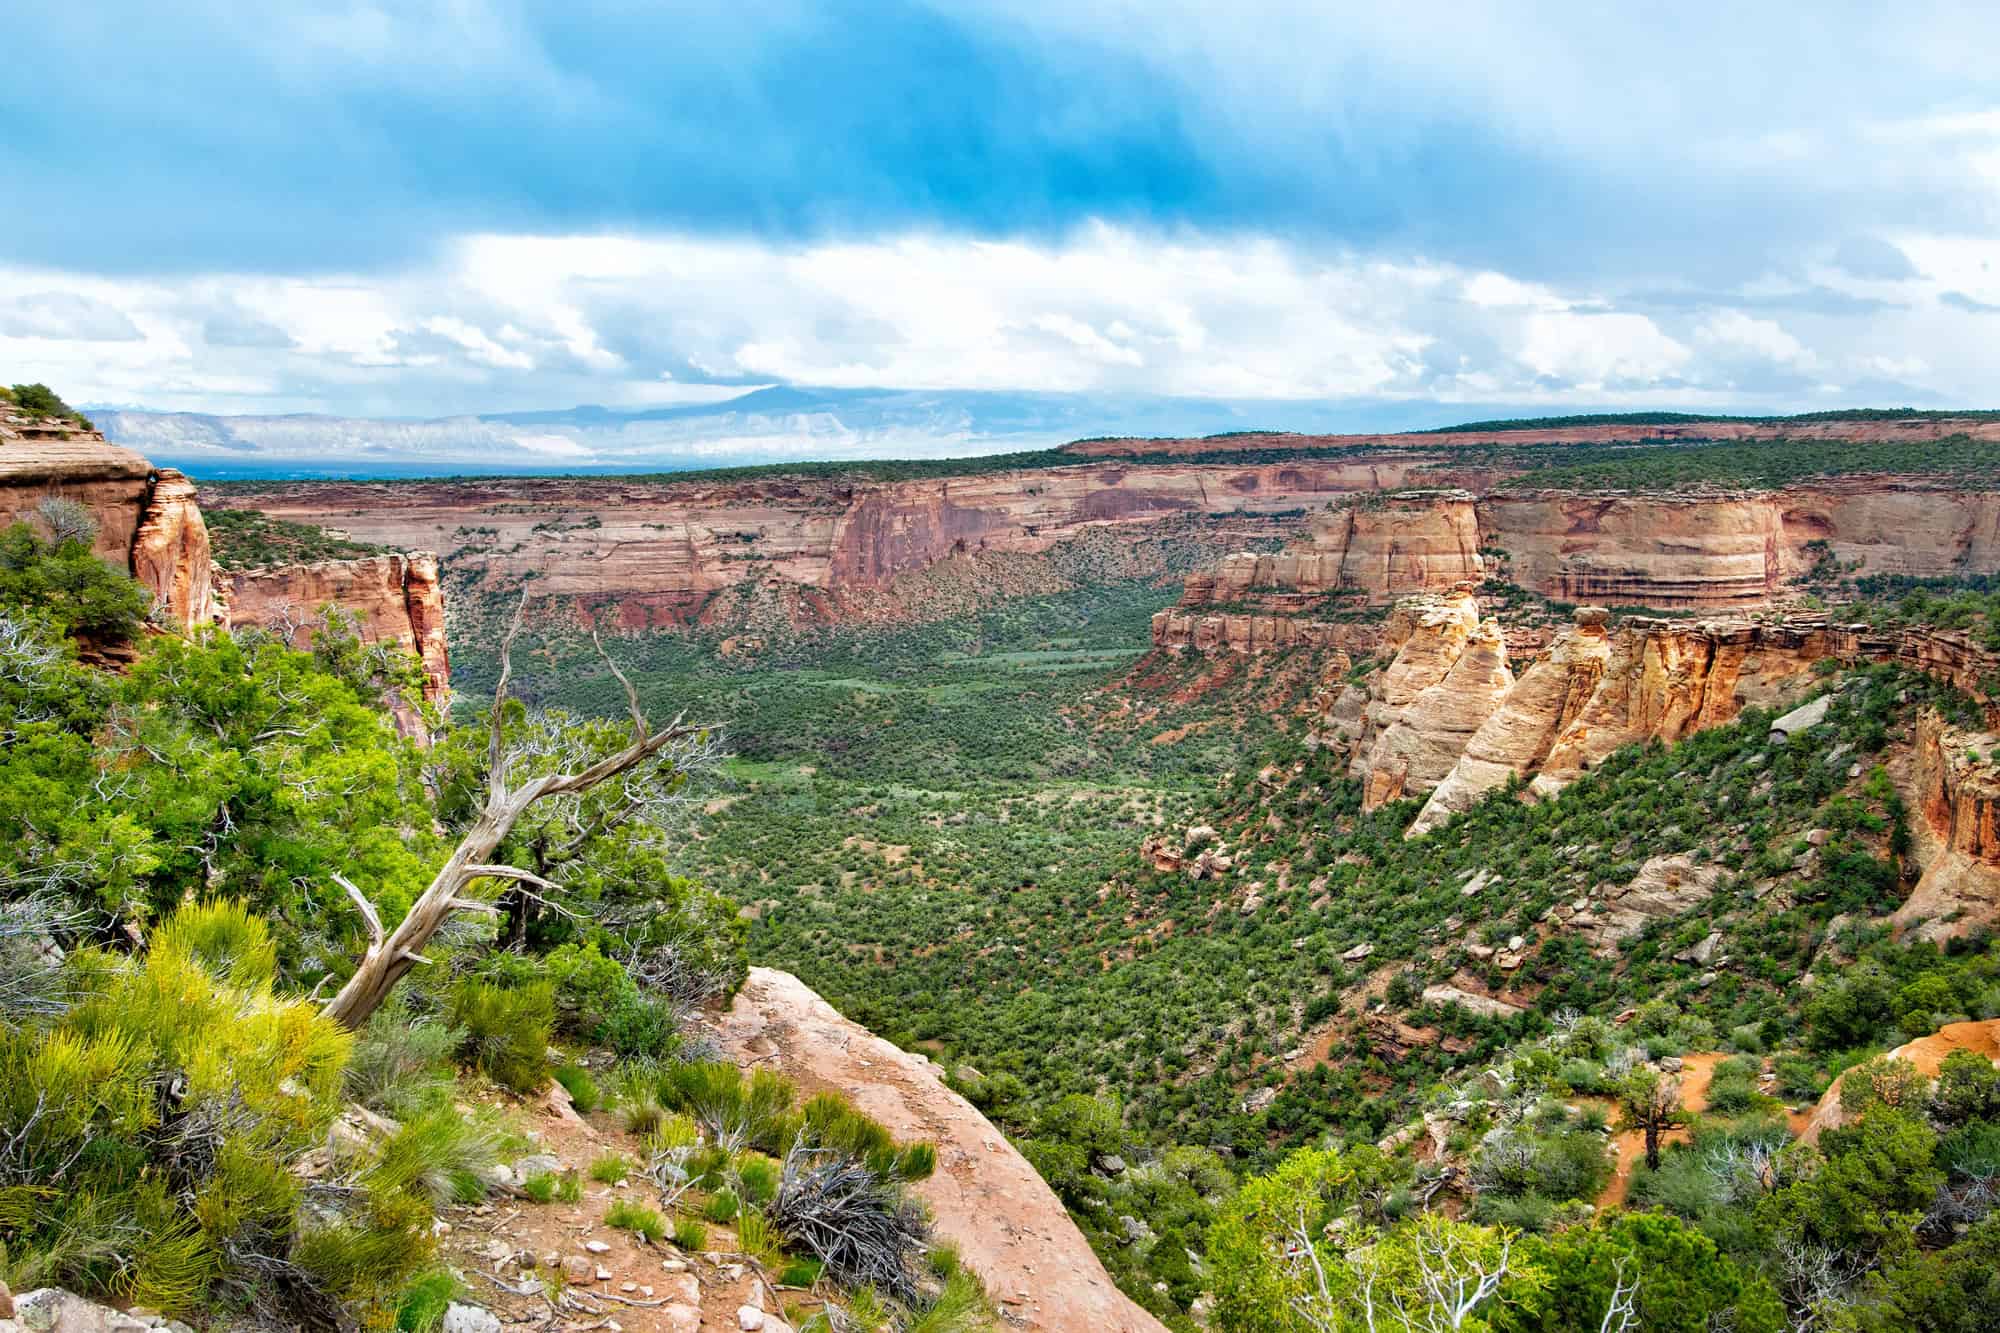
column 420, row 209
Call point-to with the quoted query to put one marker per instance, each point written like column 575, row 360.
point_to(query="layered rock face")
column 1405, row 726
column 1419, row 747
column 1377, row 550
column 1596, row 691
column 170, row 552
column 1009, row 1226
column 393, row 598
column 1958, row 805
column 1664, row 551
column 147, row 519
column 1419, row 541
column 1181, row 631
column 661, row 551
column 1665, row 679
column 1698, row 551
column 148, row 522
column 1516, row 737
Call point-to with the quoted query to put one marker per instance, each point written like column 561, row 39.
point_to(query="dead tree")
column 390, row 956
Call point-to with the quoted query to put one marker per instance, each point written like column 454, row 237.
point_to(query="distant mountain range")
column 776, row 424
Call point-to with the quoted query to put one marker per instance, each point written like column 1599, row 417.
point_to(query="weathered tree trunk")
column 389, row 959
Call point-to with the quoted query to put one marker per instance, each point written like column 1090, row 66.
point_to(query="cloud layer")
column 443, row 206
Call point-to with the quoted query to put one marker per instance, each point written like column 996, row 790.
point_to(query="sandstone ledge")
column 1010, row 1227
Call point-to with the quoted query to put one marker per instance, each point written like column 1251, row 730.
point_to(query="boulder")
column 1012, row 1230
column 470, row 1319
column 1665, row 886
column 1484, row 1005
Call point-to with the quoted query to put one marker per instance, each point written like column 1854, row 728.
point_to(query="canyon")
column 666, row 552
column 148, row 521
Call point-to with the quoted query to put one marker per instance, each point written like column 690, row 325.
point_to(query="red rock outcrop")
column 1420, row 746
column 393, row 599
column 1663, row 551
column 1958, row 808
column 1665, row 679
column 170, row 552
column 147, row 520
column 1377, row 549
column 1927, row 1054
column 1416, row 541
column 663, row 550
column 1425, row 637
column 1178, row 631
column 1595, row 691
column 1009, row 1226
column 1516, row 737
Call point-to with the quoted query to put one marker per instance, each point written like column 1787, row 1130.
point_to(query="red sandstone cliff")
column 393, row 599
column 662, row 551
column 148, row 521
column 1957, row 809
column 1009, row 1226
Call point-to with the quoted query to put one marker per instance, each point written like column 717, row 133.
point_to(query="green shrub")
column 440, row 1155
column 722, row 1205
column 230, row 944
column 756, row 1237
column 639, row 1026
column 1732, row 1087
column 800, row 1273
column 506, row 1031
column 611, row 1168
column 541, row 1187
column 582, row 1088
column 425, row 1301
column 641, row 1221
column 916, row 1162
column 757, row 1178
column 400, row 1064
column 79, row 594
column 690, row 1234
column 734, row 1110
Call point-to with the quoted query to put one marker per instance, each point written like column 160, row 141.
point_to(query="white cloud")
column 66, row 316
column 1763, row 338
column 502, row 322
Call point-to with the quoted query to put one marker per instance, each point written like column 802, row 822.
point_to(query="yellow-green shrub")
column 149, row 1132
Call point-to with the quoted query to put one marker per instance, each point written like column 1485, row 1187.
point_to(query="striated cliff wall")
column 149, row 522
column 1702, row 551
column 393, row 599
column 1377, row 549
column 1419, row 745
column 1448, row 716
column 147, row 519
column 1665, row 551
column 1597, row 691
column 663, row 550
column 170, row 552
column 1957, row 806
column 1517, row 736
column 1695, row 551
column 1180, row 631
